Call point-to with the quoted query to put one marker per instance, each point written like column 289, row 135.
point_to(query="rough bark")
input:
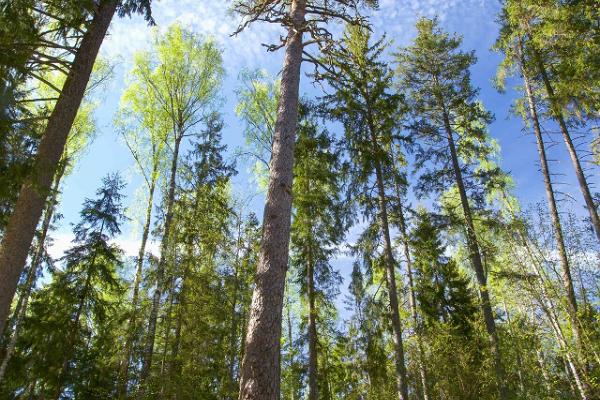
column 554, row 216
column 21, row 307
column 260, row 370
column 135, row 298
column 160, row 271
column 581, row 179
column 22, row 224
column 475, row 255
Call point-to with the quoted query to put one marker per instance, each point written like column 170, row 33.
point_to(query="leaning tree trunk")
column 21, row 307
column 554, row 216
column 581, row 179
column 22, row 224
column 475, row 256
column 260, row 370
column 160, row 270
column 132, row 325
column 32, row 197
column 413, row 301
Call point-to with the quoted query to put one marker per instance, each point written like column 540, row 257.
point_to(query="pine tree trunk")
column 413, row 301
column 135, row 299
column 581, row 179
column 22, row 224
column 555, row 218
column 313, row 391
column 160, row 270
column 260, row 371
column 21, row 307
column 475, row 255
column 233, row 341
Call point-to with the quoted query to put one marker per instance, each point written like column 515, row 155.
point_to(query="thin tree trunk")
column 21, row 307
column 555, row 218
column 169, row 320
column 132, row 325
column 160, row 271
column 519, row 358
column 475, row 255
column 313, row 390
column 581, row 179
column 291, row 341
column 233, row 341
column 22, row 224
column 260, row 371
column 62, row 373
column 413, row 301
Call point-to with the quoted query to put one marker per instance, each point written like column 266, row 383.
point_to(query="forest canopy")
column 299, row 199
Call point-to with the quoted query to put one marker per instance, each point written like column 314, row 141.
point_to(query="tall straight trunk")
column 554, row 216
column 168, row 318
column 22, row 303
column 390, row 263
column 581, row 179
column 475, row 255
column 160, row 270
column 260, row 371
column 413, row 301
column 401, row 380
column 313, row 390
column 135, row 298
column 22, row 223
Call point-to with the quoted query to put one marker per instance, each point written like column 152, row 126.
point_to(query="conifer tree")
column 260, row 368
column 21, row 226
column 318, row 228
column 369, row 111
column 435, row 75
column 70, row 326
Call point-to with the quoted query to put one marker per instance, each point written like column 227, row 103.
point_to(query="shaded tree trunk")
column 581, row 179
column 135, row 299
column 475, row 255
column 160, row 270
column 22, row 224
column 21, row 307
column 260, row 371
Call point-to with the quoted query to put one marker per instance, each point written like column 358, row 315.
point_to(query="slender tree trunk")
column 401, row 380
column 555, row 218
column 22, row 224
column 260, row 371
column 519, row 358
column 160, row 271
column 581, row 179
column 168, row 317
column 72, row 337
column 475, row 255
column 233, row 341
column 21, row 307
column 135, row 299
column 313, row 390
column 412, row 300
column 291, row 341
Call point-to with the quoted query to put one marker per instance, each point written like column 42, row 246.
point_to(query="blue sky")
column 473, row 19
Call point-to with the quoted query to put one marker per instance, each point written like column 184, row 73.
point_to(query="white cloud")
column 62, row 241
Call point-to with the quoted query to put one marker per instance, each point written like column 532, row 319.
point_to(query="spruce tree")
column 369, row 111
column 451, row 126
